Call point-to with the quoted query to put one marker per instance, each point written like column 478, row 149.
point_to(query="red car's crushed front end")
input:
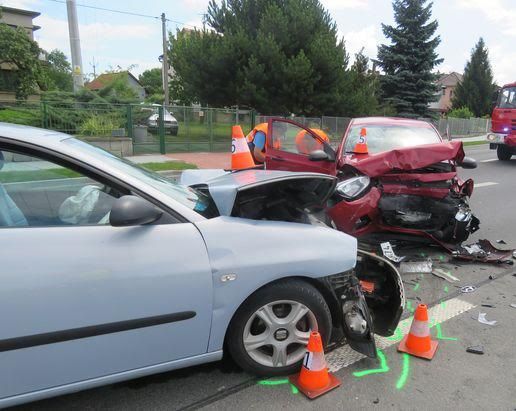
column 412, row 191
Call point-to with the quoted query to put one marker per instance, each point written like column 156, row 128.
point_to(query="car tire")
column 173, row 132
column 275, row 298
column 503, row 153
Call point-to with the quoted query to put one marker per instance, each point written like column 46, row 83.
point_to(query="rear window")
column 382, row 138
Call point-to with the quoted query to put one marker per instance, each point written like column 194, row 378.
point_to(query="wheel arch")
column 317, row 283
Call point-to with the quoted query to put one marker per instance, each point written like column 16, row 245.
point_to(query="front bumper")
column 367, row 300
column 496, row 139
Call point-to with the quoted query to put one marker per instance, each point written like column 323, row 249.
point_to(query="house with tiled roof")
column 447, row 84
column 107, row 79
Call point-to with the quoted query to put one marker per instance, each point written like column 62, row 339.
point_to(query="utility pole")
column 75, row 45
column 165, row 58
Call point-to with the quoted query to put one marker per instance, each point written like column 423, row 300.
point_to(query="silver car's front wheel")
column 277, row 333
column 269, row 333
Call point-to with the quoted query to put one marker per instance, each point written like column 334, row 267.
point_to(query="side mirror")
column 318, row 155
column 468, row 162
column 131, row 211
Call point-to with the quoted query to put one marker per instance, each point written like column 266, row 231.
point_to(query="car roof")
column 389, row 121
column 32, row 135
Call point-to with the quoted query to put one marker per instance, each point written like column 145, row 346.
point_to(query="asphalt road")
column 454, row 379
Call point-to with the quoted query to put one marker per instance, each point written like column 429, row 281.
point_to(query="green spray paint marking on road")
column 274, row 382
column 279, row 382
column 398, row 335
column 446, row 289
column 409, row 306
column 383, row 367
column 416, row 287
column 441, row 257
column 440, row 334
column 443, row 305
column 404, row 372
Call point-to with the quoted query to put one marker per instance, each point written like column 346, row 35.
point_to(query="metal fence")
column 150, row 128
column 463, row 127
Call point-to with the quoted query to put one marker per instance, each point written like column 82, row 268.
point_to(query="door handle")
column 277, row 158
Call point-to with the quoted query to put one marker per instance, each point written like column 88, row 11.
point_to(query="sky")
column 110, row 40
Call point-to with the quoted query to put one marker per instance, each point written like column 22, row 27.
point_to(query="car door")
column 81, row 299
column 289, row 145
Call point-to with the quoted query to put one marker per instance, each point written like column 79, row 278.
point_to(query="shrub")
column 25, row 116
column 101, row 124
column 462, row 112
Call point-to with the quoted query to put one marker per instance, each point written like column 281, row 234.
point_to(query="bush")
column 24, row 116
column 100, row 124
column 462, row 112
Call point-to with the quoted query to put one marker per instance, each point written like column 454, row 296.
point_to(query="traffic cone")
column 361, row 145
column 418, row 342
column 314, row 379
column 240, row 155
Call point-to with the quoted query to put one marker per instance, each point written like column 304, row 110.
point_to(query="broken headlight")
column 353, row 187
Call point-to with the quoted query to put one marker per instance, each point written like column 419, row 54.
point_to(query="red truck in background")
column 503, row 123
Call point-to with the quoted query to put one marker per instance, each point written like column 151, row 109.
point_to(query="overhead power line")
column 130, row 13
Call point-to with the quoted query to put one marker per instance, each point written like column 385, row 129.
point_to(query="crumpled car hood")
column 225, row 185
column 406, row 159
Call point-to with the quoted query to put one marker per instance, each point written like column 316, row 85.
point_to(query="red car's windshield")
column 385, row 138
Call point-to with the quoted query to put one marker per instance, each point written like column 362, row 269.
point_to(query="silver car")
column 170, row 123
column 111, row 272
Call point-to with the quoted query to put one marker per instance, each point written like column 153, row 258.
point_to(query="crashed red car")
column 406, row 185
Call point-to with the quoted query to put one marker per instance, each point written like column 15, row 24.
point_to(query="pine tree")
column 409, row 84
column 476, row 89
column 277, row 56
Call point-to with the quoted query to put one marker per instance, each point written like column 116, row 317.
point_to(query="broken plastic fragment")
column 476, row 349
column 416, row 267
column 482, row 319
column 445, row 275
column 389, row 253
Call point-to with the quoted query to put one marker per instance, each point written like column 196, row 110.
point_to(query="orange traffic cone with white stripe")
column 240, row 155
column 361, row 145
column 314, row 379
column 418, row 341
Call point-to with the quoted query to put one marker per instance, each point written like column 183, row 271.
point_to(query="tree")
column 409, row 83
column 58, row 71
column 277, row 56
column 152, row 81
column 359, row 97
column 20, row 55
column 476, row 89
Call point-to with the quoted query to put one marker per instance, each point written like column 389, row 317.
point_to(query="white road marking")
column 488, row 161
column 486, row 184
column 345, row 356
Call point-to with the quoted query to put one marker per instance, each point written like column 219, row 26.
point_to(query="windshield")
column 187, row 196
column 385, row 138
column 507, row 98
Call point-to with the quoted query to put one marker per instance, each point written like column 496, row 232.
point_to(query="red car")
column 405, row 185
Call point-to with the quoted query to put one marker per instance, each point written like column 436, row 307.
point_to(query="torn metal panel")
column 483, row 251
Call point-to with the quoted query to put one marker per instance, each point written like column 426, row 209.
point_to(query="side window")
column 294, row 139
column 35, row 192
